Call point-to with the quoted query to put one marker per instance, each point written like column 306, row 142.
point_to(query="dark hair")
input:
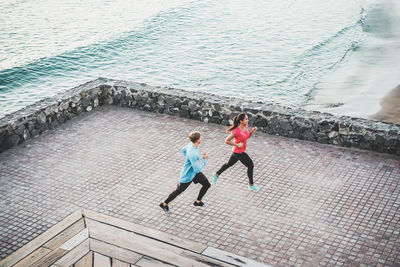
column 194, row 136
column 236, row 120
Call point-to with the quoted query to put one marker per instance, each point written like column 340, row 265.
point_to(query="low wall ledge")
column 326, row 128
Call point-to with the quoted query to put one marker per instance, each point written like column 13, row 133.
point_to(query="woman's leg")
column 232, row 160
column 246, row 160
column 179, row 189
column 202, row 179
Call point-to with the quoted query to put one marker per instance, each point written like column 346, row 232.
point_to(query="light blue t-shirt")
column 193, row 165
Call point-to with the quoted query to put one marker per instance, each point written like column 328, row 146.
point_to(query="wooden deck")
column 86, row 238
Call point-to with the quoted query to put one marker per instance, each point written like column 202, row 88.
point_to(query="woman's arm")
column 253, row 131
column 228, row 140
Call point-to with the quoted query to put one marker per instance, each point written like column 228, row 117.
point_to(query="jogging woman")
column 239, row 131
column 191, row 172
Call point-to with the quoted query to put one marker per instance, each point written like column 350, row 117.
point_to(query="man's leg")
column 202, row 179
column 179, row 189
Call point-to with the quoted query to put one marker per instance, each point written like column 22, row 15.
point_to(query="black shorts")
column 200, row 178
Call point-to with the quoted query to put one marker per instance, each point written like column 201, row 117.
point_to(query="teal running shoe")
column 254, row 187
column 215, row 177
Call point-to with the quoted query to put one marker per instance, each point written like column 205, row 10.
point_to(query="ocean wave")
column 11, row 4
column 382, row 19
column 78, row 59
column 95, row 54
column 339, row 46
column 306, row 61
column 32, row 30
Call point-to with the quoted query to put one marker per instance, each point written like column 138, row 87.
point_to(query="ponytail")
column 236, row 121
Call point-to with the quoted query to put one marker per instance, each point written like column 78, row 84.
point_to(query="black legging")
column 245, row 159
column 199, row 178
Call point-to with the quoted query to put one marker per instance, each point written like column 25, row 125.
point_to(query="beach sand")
column 390, row 111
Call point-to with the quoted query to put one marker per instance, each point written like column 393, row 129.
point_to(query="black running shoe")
column 165, row 208
column 199, row 204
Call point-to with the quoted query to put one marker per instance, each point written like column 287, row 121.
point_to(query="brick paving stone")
column 318, row 204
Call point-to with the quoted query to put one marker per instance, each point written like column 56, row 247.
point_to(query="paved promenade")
column 318, row 204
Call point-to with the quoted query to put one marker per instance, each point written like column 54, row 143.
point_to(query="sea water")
column 336, row 55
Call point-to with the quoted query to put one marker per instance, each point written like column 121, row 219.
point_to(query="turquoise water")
column 313, row 54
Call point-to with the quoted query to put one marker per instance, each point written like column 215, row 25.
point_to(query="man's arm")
column 197, row 165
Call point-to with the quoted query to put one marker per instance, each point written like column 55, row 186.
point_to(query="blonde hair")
column 194, row 136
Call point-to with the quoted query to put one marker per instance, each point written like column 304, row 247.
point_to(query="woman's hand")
column 253, row 130
column 205, row 156
column 240, row 144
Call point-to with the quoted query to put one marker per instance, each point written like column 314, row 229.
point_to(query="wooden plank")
column 139, row 244
column 41, row 239
column 118, row 263
column 139, row 229
column 101, row 260
column 50, row 258
column 65, row 235
column 205, row 259
column 231, row 258
column 86, row 261
column 33, row 257
column 150, row 262
column 115, row 233
column 64, row 248
column 74, row 254
column 76, row 240
column 114, row 251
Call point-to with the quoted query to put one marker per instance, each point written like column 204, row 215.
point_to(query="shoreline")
column 390, row 107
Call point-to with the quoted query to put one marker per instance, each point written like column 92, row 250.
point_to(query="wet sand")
column 390, row 111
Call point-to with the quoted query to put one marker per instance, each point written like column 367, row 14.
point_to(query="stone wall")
column 273, row 119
